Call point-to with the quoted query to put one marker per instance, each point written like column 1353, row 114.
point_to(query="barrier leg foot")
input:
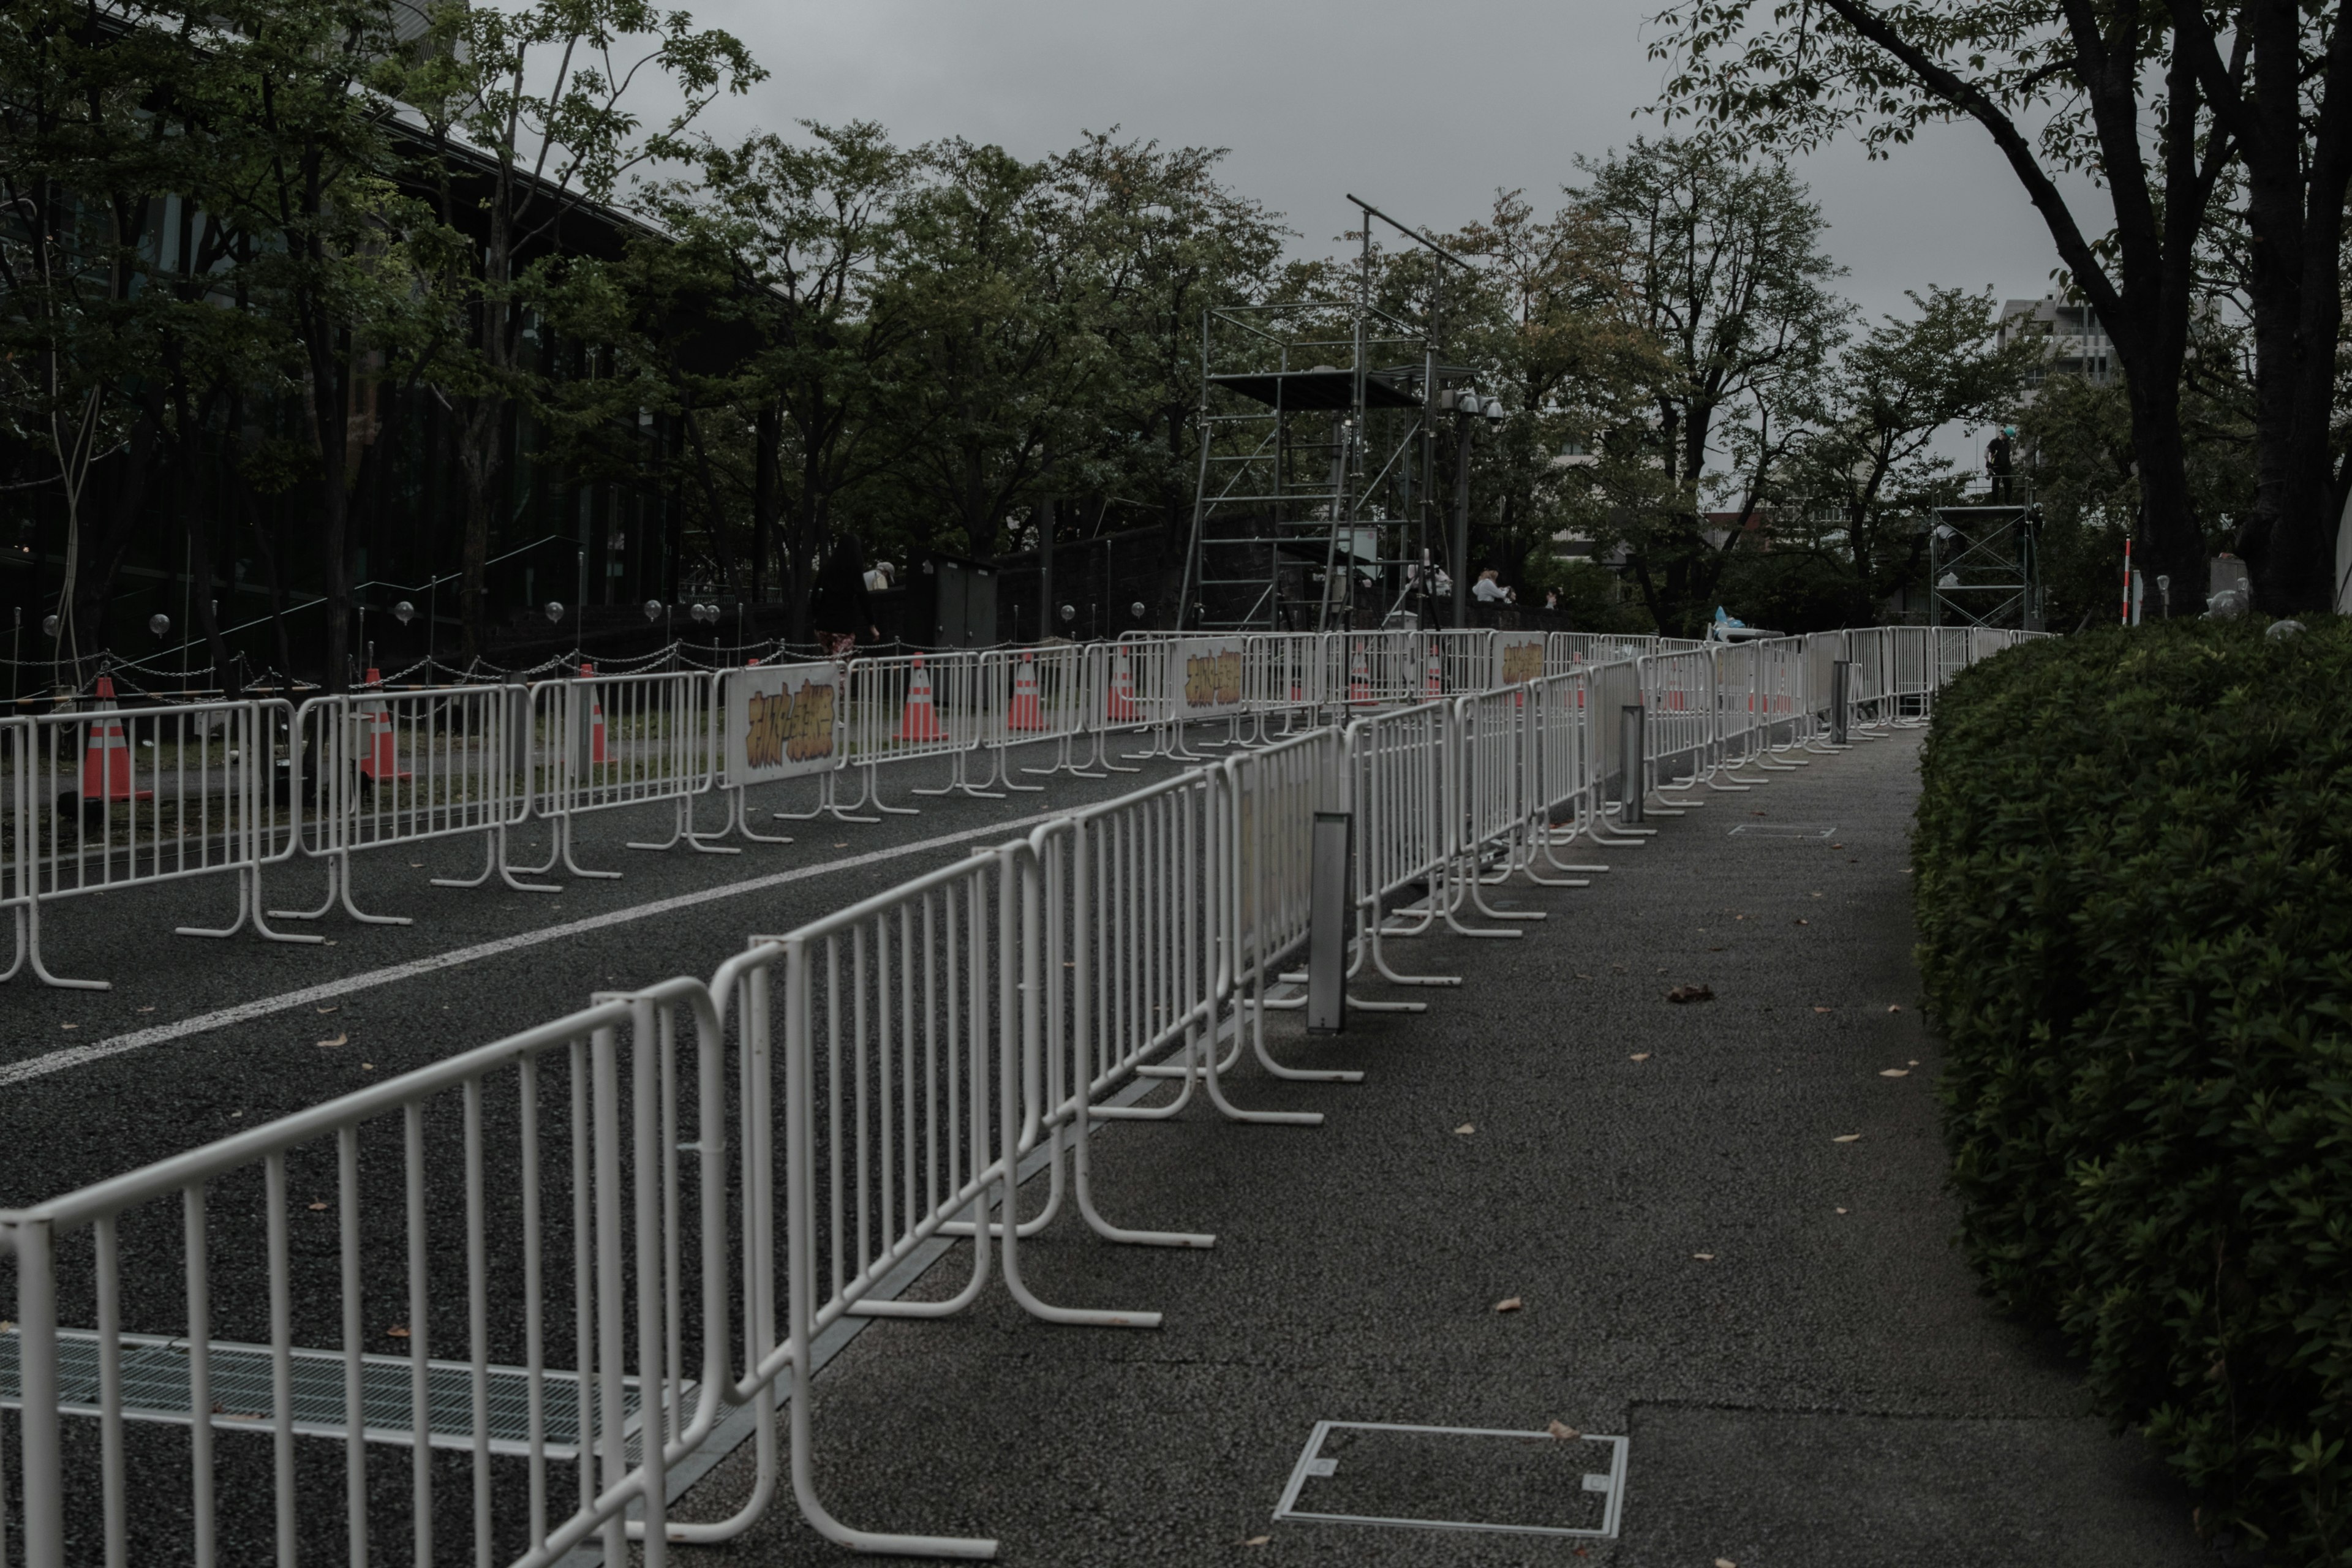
column 1359, row 1005
column 967, row 1549
column 29, row 937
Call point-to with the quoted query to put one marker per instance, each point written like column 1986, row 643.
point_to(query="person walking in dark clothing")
column 840, row 604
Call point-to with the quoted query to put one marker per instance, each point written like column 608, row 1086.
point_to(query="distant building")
column 2078, row 345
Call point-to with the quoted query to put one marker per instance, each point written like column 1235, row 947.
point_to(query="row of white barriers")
column 110, row 799
column 485, row 1310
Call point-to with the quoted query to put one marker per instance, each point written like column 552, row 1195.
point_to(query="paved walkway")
column 1777, row 1320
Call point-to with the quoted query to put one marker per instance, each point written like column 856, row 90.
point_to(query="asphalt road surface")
column 1773, row 1316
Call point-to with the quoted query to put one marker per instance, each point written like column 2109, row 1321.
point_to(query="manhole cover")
column 1458, row 1477
column 1782, row 831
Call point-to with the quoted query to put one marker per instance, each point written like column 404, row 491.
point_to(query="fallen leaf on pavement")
column 1681, row 993
column 1509, row 1304
column 1837, row 846
column 68, row 1026
column 1841, row 1211
column 1847, row 1138
column 1465, row 1130
column 1704, row 1256
column 316, row 1207
column 338, row 1040
column 398, row 1332
column 1804, row 923
column 1894, row 1072
column 1913, row 1063
column 1724, row 1563
column 1257, row 1540
column 146, row 1009
column 367, row 1067
column 1824, row 1009
column 1640, row 1055
column 1563, row 1431
column 330, row 1009
column 1894, row 1006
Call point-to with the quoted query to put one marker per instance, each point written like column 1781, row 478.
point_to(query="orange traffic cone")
column 1359, row 677
column 382, row 760
column 1027, row 714
column 1119, row 706
column 920, row 720
column 1434, row 684
column 595, row 718
column 106, row 754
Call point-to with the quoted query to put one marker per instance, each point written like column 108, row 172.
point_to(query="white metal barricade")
column 1051, row 697
column 1492, row 801
column 1911, row 673
column 1398, row 763
column 903, row 707
column 1282, row 677
column 17, row 839
column 603, row 742
column 113, row 798
column 1569, row 650
column 384, row 769
column 1468, row 659
column 1679, row 727
column 1384, row 669
column 1566, row 784
column 566, row 1136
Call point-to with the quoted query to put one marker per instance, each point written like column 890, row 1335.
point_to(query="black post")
column 1461, row 551
column 1630, row 718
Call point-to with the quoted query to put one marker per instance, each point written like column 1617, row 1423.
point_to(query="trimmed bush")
column 2134, row 858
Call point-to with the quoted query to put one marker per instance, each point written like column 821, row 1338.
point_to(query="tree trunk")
column 478, row 461
column 768, row 433
column 2294, row 216
column 2170, row 543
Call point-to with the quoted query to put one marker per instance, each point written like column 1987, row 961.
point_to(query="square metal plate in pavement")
column 1458, row 1477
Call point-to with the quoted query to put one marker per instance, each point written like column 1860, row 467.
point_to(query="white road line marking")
column 98, row 1050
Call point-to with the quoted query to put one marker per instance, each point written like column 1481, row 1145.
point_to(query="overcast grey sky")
column 1420, row 108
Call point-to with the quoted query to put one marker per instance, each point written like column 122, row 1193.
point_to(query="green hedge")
column 2134, row 859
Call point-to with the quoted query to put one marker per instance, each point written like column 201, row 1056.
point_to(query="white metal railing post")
column 33, row 1242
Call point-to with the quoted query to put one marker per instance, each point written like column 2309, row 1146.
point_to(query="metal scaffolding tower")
column 1319, row 424
column 1984, row 567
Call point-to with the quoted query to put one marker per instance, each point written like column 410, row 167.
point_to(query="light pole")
column 1469, row 406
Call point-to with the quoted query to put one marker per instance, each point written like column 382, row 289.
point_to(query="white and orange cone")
column 920, row 720
column 595, row 718
column 106, row 754
column 1028, row 712
column 382, row 756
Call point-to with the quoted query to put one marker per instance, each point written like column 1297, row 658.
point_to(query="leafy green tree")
column 321, row 231
column 1554, row 322
column 1726, row 264
column 1863, row 472
column 2058, row 85
column 532, row 114
column 112, row 340
column 2078, row 435
column 809, row 230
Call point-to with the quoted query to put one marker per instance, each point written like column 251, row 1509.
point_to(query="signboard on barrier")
column 1207, row 676
column 782, row 721
column 1519, row 658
